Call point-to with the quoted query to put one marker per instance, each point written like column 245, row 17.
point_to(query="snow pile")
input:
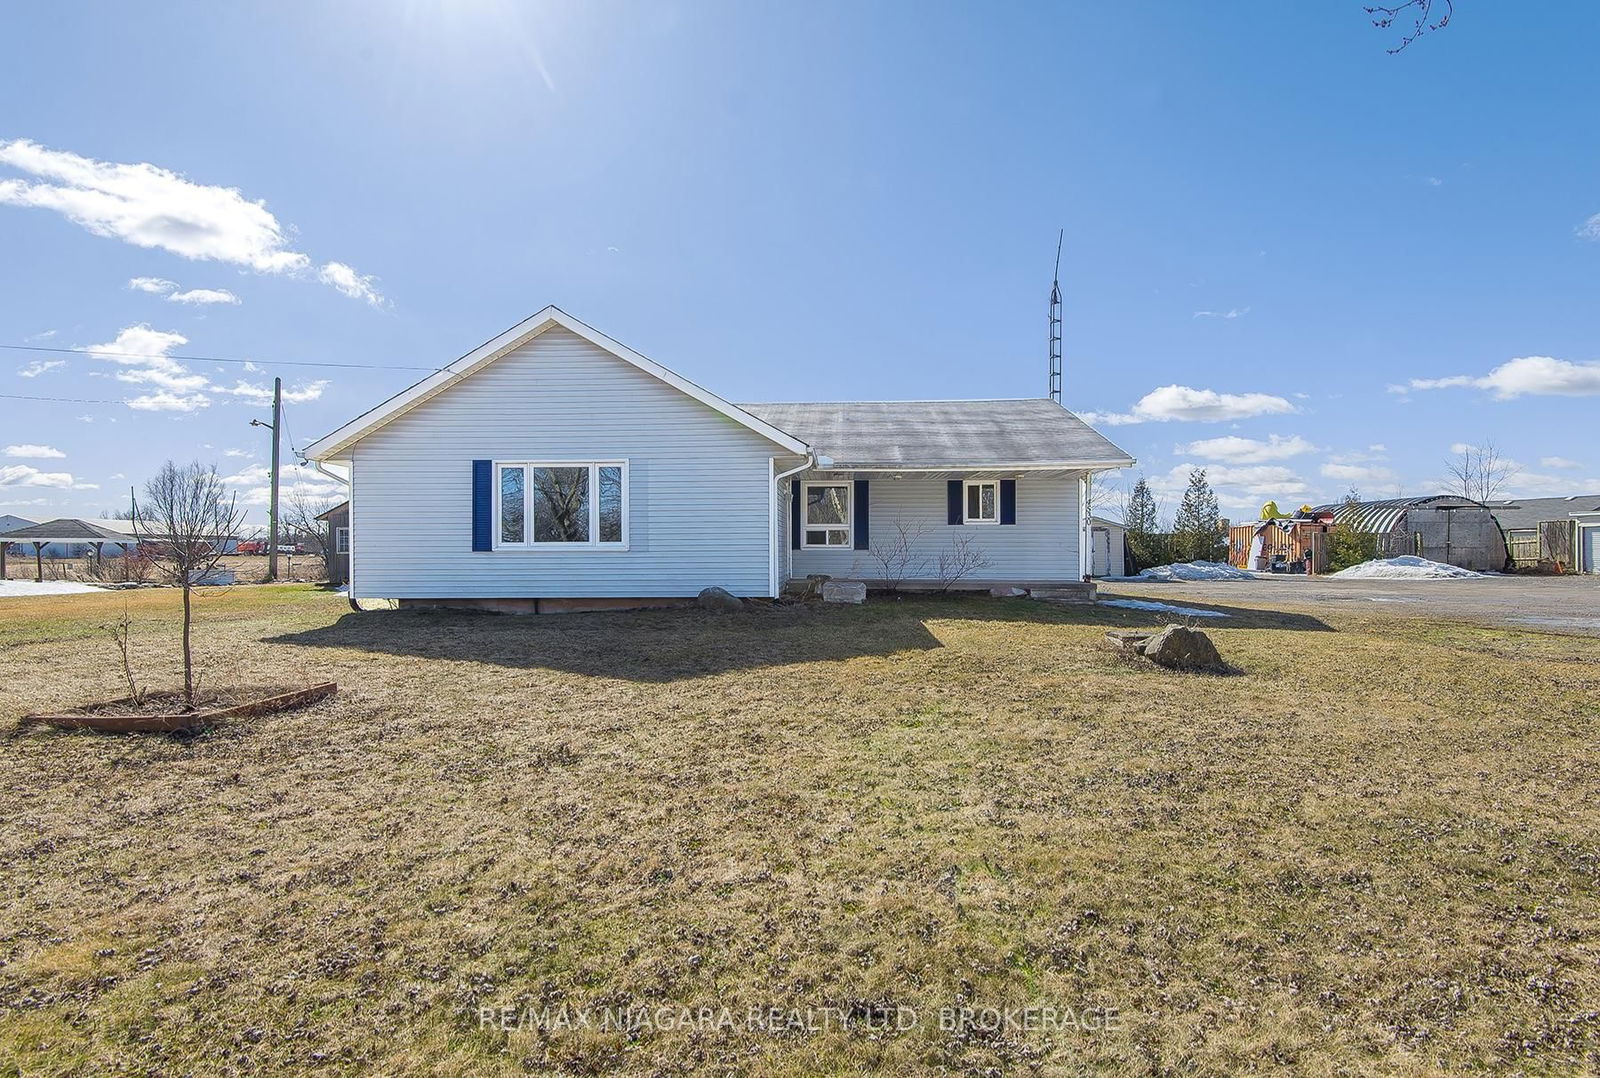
column 1165, row 608
column 1405, row 567
column 1193, row 570
column 18, row 588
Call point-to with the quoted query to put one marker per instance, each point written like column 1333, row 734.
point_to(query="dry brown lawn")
column 1373, row 851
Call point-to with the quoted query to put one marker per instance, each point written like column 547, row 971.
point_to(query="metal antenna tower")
column 1055, row 325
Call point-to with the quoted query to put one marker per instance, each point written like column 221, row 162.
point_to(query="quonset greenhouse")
column 1439, row 527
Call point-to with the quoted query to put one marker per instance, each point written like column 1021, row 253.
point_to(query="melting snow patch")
column 1193, row 570
column 18, row 588
column 1166, row 608
column 1406, row 567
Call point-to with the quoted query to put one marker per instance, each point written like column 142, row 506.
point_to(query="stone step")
column 1067, row 593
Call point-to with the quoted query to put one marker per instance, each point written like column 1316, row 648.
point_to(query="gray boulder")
column 844, row 591
column 719, row 599
column 1180, row 648
column 1003, row 591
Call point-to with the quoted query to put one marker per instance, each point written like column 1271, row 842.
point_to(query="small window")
column 827, row 514
column 341, row 541
column 562, row 505
column 983, row 502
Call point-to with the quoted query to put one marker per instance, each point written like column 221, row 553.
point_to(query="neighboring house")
column 1439, row 527
column 1107, row 541
column 553, row 463
column 1552, row 531
column 336, row 543
column 52, row 551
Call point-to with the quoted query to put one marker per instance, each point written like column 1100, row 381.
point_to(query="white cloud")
column 1233, row 449
column 42, row 336
column 23, row 475
column 353, row 284
column 31, row 451
column 1230, row 314
column 153, row 207
column 40, row 366
column 1193, row 405
column 1372, row 478
column 254, row 485
column 143, row 357
column 1590, row 229
column 1558, row 462
column 203, row 295
column 1526, row 375
column 156, row 286
column 237, row 453
column 1233, row 483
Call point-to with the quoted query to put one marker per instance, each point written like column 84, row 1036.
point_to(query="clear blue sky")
column 820, row 201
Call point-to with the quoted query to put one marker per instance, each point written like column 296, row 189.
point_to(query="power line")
column 217, row 359
column 58, row 400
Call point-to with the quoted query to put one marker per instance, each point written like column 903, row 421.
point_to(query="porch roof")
column 1007, row 435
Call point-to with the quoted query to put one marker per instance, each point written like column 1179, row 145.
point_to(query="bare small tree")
column 187, row 517
column 898, row 559
column 1480, row 472
column 961, row 560
column 300, row 518
column 1425, row 16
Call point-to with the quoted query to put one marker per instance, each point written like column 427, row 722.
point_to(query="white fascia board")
column 1035, row 466
column 337, row 444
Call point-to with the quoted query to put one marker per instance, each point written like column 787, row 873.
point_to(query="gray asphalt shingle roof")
column 1513, row 513
column 68, row 530
column 943, row 434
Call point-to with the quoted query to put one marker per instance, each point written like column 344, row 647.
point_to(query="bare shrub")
column 898, row 560
column 961, row 560
column 122, row 634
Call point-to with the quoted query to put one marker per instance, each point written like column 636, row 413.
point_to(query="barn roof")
column 1027, row 433
column 68, row 530
column 1382, row 516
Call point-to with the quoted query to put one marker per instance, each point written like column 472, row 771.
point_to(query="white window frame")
column 966, row 501
column 848, row 527
column 528, row 543
column 341, row 540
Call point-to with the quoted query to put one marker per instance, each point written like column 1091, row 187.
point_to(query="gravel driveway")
column 1561, row 604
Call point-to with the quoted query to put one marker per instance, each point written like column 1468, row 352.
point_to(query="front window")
column 983, row 502
column 555, row 505
column 827, row 514
column 341, row 541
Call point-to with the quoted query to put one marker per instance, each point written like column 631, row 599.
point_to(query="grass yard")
column 1375, row 851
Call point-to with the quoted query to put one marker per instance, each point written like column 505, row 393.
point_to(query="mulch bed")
column 165, row 712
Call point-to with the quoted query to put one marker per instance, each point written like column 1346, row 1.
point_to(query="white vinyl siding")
column 699, row 511
column 1041, row 546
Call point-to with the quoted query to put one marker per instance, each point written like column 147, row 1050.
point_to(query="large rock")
column 844, row 591
column 1005, row 591
column 1180, row 648
column 720, row 599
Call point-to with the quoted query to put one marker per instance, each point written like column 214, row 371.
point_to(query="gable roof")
column 334, row 445
column 1531, row 512
column 938, row 435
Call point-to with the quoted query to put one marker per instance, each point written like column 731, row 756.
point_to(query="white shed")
column 1106, row 540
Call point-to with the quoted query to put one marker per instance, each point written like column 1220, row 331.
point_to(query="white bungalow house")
column 553, row 467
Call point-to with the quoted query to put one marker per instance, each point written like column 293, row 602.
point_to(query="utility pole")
column 276, row 426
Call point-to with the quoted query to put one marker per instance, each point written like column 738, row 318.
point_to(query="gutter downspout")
column 777, row 482
column 349, row 584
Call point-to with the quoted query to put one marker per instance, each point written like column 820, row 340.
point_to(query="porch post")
column 38, row 562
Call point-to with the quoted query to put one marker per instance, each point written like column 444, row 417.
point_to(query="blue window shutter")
column 1008, row 501
column 953, row 500
column 860, row 502
column 482, row 505
column 794, row 514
